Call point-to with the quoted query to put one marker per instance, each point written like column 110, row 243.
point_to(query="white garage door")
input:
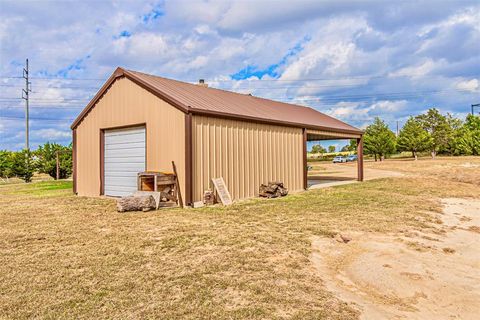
column 124, row 158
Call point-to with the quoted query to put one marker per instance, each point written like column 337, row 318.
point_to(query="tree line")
column 430, row 132
column 320, row 149
column 23, row 164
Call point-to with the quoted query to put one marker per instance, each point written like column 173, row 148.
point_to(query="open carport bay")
column 326, row 174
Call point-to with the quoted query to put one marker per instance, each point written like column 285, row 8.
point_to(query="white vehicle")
column 339, row 159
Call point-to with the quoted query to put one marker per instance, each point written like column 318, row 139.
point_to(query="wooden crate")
column 158, row 182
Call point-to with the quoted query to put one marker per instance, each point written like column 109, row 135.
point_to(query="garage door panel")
column 118, row 191
column 127, row 145
column 124, row 166
column 124, row 153
column 121, row 173
column 136, row 159
column 124, row 157
column 121, row 181
column 119, row 188
column 126, row 131
column 125, row 138
column 127, row 172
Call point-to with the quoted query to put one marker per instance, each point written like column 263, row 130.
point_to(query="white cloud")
column 362, row 114
column 121, row 21
column 472, row 85
column 348, row 111
column 205, row 29
column 416, row 71
column 469, row 15
column 386, row 106
column 330, row 53
column 198, row 62
column 50, row 134
column 142, row 45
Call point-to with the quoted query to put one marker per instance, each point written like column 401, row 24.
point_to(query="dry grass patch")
column 459, row 169
column 73, row 257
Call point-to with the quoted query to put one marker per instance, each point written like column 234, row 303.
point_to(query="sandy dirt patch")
column 411, row 275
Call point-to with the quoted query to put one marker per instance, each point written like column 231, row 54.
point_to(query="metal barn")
column 139, row 122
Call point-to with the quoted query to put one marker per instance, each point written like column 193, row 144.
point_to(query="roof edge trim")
column 216, row 114
column 118, row 73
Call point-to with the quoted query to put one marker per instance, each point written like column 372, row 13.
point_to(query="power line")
column 48, row 99
column 393, row 95
column 403, row 94
column 34, row 118
column 325, row 79
column 246, row 80
column 44, row 107
column 293, row 87
column 57, row 78
column 49, row 87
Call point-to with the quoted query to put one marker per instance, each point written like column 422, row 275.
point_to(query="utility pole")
column 25, row 96
column 397, row 128
column 475, row 106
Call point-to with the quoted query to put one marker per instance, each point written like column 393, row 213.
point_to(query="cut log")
column 155, row 195
column 136, row 203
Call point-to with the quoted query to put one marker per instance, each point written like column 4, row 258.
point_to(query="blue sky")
column 353, row 60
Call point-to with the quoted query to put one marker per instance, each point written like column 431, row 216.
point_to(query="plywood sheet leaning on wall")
column 222, row 191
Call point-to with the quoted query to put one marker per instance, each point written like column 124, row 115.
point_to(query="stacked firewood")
column 273, row 189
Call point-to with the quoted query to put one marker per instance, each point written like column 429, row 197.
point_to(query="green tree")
column 467, row 138
column 455, row 125
column 331, row 149
column 379, row 140
column 352, row 146
column 413, row 138
column 6, row 164
column 46, row 159
column 17, row 164
column 440, row 129
column 317, row 148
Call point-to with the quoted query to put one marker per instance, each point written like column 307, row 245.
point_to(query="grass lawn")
column 64, row 256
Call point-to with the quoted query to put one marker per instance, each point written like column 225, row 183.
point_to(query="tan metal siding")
column 126, row 103
column 245, row 154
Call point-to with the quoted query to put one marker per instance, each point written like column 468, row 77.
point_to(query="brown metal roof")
column 192, row 98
